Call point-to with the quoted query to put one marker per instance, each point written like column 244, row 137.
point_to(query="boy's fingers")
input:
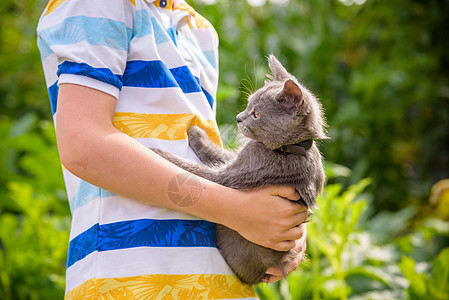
column 300, row 217
column 274, row 271
column 286, row 192
column 284, row 245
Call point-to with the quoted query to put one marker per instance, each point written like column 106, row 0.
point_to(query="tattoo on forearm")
column 184, row 189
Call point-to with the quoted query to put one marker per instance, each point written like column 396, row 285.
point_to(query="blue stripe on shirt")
column 141, row 233
column 148, row 74
column 86, row 193
column 138, row 73
column 99, row 31
column 83, row 245
column 155, row 74
column 53, row 91
column 160, row 34
column 210, row 56
column 102, row 74
column 187, row 82
column 95, row 31
column 209, row 98
column 143, row 23
column 44, row 49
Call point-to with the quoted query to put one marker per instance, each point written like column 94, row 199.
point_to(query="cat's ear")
column 279, row 73
column 291, row 96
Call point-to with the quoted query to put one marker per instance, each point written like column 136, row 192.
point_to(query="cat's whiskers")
column 247, row 91
column 247, row 84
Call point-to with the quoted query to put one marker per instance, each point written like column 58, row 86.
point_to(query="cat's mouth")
column 247, row 131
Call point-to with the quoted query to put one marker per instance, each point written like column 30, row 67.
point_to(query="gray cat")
column 281, row 122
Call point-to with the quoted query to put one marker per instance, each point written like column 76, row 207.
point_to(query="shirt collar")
column 174, row 5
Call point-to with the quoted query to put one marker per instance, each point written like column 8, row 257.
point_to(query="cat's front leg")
column 205, row 149
column 189, row 166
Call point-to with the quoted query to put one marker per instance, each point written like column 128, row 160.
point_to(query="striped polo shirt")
column 159, row 59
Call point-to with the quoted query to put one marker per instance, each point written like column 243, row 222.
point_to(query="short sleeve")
column 87, row 41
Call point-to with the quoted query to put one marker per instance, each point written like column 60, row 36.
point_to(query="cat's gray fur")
column 287, row 113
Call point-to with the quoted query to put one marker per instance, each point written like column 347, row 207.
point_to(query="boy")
column 125, row 75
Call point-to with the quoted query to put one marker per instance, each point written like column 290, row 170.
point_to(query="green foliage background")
column 381, row 70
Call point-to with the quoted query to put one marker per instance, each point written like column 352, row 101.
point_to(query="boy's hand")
column 275, row 274
column 268, row 216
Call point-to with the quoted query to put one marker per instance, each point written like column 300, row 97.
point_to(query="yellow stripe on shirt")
column 52, row 5
column 171, row 127
column 202, row 22
column 161, row 286
column 185, row 7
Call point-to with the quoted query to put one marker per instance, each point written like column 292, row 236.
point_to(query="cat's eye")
column 256, row 114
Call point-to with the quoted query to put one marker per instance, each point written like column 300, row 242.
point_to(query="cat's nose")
column 239, row 118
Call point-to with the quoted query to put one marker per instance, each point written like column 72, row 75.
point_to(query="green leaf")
column 23, row 125
column 386, row 224
column 439, row 280
column 417, row 281
column 333, row 170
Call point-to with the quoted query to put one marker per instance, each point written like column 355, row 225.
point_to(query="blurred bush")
column 352, row 256
column 34, row 213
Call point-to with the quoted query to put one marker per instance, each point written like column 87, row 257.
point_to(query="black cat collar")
column 298, row 149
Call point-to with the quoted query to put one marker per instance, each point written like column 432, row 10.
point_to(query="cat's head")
column 282, row 112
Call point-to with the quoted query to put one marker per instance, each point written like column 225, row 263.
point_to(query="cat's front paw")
column 197, row 137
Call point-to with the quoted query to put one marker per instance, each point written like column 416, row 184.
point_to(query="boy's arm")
column 94, row 150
